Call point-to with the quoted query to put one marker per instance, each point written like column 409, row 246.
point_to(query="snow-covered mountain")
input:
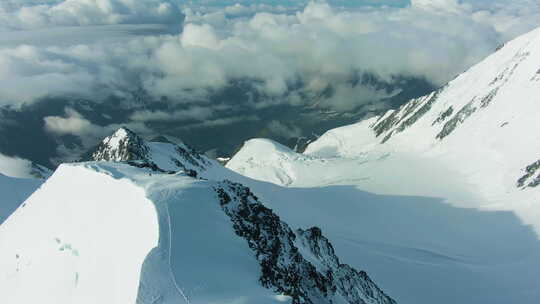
column 480, row 126
column 438, row 201
column 125, row 145
column 154, row 222
column 461, row 165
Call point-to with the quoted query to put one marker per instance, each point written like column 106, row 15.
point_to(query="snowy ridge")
column 264, row 153
column 63, row 243
column 132, row 232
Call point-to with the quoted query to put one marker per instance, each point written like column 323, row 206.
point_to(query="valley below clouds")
column 74, row 70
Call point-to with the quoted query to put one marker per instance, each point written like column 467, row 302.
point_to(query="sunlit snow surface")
column 112, row 233
column 443, row 220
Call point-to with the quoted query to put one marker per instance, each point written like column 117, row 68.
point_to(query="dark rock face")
column 443, row 116
column 409, row 113
column 354, row 286
column 148, row 165
column 458, row 119
column 423, row 109
column 284, row 268
column 405, row 116
column 188, row 155
column 123, row 145
column 486, row 100
column 529, row 180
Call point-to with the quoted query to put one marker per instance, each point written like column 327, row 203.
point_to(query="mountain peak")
column 159, row 154
column 124, row 132
column 122, row 145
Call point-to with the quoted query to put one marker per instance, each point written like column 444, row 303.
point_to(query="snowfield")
column 438, row 200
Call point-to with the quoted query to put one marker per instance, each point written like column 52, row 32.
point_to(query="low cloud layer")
column 309, row 50
column 314, row 54
column 15, row 167
column 17, row 15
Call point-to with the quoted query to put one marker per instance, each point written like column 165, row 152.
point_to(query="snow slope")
column 69, row 240
column 131, row 231
column 13, row 192
column 18, row 179
column 476, row 132
column 443, row 189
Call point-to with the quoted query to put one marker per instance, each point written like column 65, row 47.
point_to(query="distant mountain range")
column 23, row 132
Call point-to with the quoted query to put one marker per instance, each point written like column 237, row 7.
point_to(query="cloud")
column 27, row 73
column 289, row 55
column 227, row 62
column 222, row 121
column 27, row 15
column 15, row 167
column 284, row 130
column 437, row 6
column 73, row 123
column 193, row 113
column 282, row 298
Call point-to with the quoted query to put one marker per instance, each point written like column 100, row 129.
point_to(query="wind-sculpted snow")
column 272, row 158
column 81, row 238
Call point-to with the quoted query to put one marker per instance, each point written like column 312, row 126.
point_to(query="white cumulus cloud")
column 15, row 167
column 284, row 53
